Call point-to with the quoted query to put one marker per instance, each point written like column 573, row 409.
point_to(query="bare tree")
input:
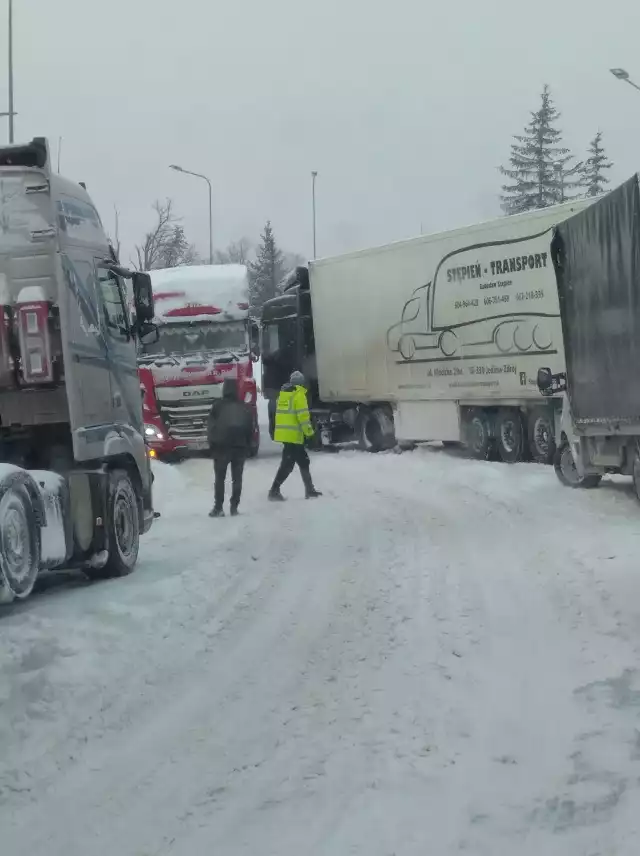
column 166, row 244
column 237, row 253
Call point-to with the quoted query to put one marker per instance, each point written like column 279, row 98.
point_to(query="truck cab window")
column 114, row 310
column 272, row 339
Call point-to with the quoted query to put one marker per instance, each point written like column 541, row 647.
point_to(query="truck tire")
column 19, row 543
column 636, row 474
column 123, row 528
column 478, row 437
column 540, row 431
column 566, row 471
column 375, row 430
column 255, row 447
column 510, row 436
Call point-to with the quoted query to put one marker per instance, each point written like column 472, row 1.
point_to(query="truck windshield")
column 197, row 337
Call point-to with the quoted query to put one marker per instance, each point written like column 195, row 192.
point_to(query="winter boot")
column 233, row 510
column 309, row 490
column 216, row 512
column 275, row 495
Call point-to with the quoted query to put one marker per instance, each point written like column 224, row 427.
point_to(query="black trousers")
column 222, row 460
column 292, row 454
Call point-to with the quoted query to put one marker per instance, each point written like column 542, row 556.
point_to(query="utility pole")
column 11, row 112
column 314, row 175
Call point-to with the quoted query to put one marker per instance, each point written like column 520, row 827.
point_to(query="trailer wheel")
column 540, row 429
column 510, row 436
column 478, row 436
column 636, row 474
column 375, row 430
column 123, row 528
column 566, row 471
column 19, row 543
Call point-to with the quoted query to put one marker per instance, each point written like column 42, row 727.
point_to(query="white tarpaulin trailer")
column 450, row 329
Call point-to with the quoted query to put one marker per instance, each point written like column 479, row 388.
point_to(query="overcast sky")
column 405, row 107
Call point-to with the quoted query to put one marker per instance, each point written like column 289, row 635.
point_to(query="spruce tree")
column 539, row 165
column 593, row 179
column 267, row 271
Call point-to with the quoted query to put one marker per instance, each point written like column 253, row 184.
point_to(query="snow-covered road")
column 440, row 656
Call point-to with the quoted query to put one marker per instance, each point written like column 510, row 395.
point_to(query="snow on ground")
column 439, row 656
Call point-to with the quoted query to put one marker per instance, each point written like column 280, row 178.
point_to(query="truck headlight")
column 152, row 433
column 248, row 397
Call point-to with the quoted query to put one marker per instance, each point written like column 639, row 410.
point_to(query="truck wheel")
column 566, row 471
column 636, row 474
column 123, row 528
column 19, row 544
column 478, row 436
column 510, row 436
column 254, row 448
column 541, row 429
column 375, row 430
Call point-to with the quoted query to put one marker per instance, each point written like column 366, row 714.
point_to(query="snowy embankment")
column 439, row 656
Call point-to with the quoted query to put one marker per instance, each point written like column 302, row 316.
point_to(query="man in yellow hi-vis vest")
column 292, row 428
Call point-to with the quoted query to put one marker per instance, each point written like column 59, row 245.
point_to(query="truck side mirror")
column 544, row 379
column 148, row 334
column 143, row 297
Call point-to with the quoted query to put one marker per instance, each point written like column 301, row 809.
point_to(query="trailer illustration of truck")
column 482, row 303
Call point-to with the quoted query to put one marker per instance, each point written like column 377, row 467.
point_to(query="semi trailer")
column 75, row 476
column 434, row 338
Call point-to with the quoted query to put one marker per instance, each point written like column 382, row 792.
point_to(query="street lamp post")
column 314, row 175
column 622, row 74
column 11, row 112
column 204, row 178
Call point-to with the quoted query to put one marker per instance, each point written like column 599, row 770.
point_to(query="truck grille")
column 186, row 420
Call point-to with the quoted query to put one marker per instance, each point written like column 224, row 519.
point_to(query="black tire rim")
column 124, row 525
column 541, row 436
column 509, row 435
column 478, row 435
column 568, row 466
column 372, row 432
column 636, row 474
column 16, row 542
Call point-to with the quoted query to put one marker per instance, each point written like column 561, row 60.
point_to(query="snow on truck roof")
column 200, row 292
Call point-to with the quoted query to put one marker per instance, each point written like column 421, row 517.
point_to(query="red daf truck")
column 205, row 336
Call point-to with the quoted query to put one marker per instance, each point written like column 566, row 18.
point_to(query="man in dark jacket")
column 230, row 435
